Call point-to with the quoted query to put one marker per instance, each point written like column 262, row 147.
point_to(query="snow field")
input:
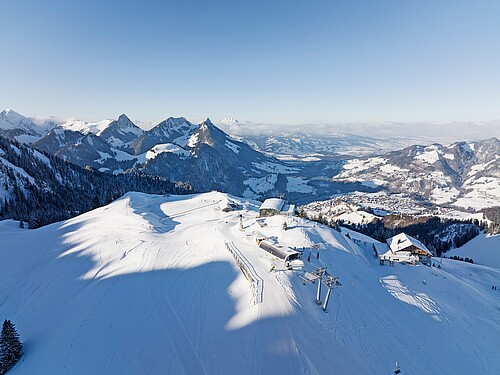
column 146, row 285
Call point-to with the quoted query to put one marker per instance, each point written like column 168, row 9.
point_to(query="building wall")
column 268, row 212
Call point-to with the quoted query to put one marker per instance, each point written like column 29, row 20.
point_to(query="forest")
column 40, row 189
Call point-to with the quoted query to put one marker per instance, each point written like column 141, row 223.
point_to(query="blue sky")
column 273, row 61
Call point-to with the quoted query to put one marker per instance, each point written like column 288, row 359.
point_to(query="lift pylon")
column 330, row 282
column 319, row 273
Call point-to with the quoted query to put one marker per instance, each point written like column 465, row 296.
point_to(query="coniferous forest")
column 493, row 215
column 41, row 189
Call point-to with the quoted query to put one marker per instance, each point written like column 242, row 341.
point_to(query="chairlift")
column 397, row 369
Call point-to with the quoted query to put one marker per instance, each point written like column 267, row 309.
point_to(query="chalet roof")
column 272, row 204
column 402, row 241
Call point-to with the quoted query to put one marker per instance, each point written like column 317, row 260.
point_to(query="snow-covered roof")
column 272, row 204
column 381, row 247
column 402, row 241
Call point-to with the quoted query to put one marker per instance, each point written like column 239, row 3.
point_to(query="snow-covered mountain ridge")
column 463, row 174
column 147, row 285
column 302, row 166
column 200, row 154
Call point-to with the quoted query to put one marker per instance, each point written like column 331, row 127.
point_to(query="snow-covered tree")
column 11, row 348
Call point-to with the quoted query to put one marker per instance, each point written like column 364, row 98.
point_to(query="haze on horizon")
column 370, row 63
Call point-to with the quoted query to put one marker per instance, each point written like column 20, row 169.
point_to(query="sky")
column 278, row 62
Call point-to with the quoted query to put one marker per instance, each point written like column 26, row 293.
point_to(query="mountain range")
column 201, row 155
column 299, row 166
column 463, row 174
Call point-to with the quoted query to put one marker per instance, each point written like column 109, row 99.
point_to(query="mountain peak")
column 120, row 133
column 11, row 120
column 208, row 124
column 175, row 120
column 171, row 124
column 492, row 140
column 12, row 115
column 123, row 117
column 124, row 122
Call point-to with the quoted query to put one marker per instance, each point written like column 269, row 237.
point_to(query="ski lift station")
column 276, row 206
column 403, row 248
column 286, row 254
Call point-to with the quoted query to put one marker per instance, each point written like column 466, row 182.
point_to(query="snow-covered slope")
column 10, row 119
column 40, row 188
column 85, row 127
column 146, row 285
column 484, row 249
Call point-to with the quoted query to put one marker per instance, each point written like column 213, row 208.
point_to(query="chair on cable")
column 397, row 369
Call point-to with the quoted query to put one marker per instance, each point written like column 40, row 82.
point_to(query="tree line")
column 438, row 234
column 41, row 189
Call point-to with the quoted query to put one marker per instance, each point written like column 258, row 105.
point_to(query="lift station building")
column 276, row 206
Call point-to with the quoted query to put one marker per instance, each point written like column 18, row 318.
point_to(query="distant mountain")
column 304, row 146
column 208, row 158
column 199, row 154
column 120, row 133
column 85, row 127
column 303, row 166
column 172, row 130
column 85, row 150
column 10, row 119
column 16, row 126
column 463, row 174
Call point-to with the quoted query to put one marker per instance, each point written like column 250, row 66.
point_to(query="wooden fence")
column 256, row 282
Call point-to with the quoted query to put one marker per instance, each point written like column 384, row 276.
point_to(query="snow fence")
column 256, row 282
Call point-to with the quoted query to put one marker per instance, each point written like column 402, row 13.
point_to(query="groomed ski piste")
column 146, row 285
